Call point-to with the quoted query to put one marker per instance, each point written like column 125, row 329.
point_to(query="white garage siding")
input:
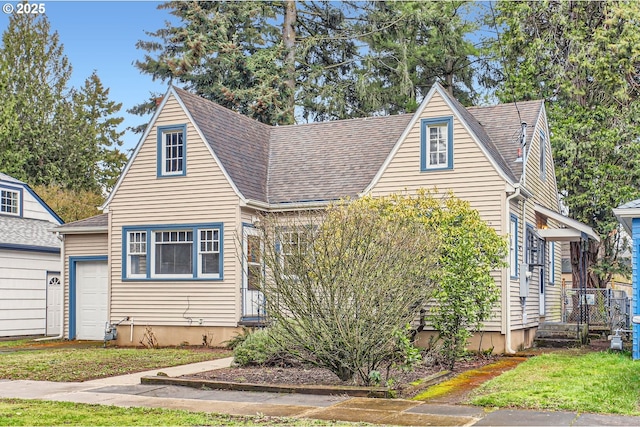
column 23, row 291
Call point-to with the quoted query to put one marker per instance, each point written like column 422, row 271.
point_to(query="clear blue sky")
column 101, row 36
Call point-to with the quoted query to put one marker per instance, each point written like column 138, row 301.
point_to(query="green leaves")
column 584, row 59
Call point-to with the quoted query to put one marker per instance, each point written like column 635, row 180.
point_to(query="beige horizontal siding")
column 473, row 178
column 203, row 195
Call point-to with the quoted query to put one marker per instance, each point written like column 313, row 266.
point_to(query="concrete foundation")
column 165, row 336
column 494, row 341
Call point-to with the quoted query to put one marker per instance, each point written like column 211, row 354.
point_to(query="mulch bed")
column 309, row 375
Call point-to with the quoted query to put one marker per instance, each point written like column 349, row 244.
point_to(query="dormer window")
column 9, row 202
column 172, row 150
column 436, row 144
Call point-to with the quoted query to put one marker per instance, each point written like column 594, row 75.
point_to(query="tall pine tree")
column 282, row 61
column 67, row 137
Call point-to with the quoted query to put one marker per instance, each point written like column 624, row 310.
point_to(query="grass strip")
column 600, row 382
column 67, row 365
column 20, row 412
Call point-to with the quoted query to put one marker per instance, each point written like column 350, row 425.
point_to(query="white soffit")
column 568, row 223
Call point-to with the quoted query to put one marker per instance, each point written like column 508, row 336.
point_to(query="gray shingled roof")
column 5, row 177
column 241, row 143
column 634, row 204
column 98, row 221
column 15, row 231
column 502, row 123
column 329, row 160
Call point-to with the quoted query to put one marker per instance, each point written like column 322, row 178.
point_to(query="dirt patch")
column 405, row 383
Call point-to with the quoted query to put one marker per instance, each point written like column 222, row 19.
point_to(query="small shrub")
column 256, row 348
column 238, row 339
column 149, row 339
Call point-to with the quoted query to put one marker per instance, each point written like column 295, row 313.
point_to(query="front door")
column 252, row 297
column 54, row 298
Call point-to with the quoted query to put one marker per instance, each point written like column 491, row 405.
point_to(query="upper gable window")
column 172, row 150
column 436, row 144
column 543, row 156
column 10, row 201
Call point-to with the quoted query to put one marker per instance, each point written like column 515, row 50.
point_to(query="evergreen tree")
column 229, row 52
column 583, row 59
column 36, row 87
column 66, row 136
column 317, row 60
column 12, row 156
column 411, row 45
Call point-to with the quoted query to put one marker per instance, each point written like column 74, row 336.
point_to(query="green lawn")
column 18, row 412
column 601, row 382
column 82, row 364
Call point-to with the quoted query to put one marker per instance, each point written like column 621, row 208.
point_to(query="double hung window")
column 9, row 202
column 168, row 252
column 137, row 253
column 172, row 150
column 436, row 138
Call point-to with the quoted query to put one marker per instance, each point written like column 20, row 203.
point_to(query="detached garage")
column 29, row 262
column 86, row 296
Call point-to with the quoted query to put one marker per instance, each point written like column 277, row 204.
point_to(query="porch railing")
column 253, row 308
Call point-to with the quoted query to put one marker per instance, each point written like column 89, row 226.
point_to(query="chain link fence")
column 597, row 307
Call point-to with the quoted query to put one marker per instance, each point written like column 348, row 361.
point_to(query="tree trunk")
column 577, row 262
column 289, row 40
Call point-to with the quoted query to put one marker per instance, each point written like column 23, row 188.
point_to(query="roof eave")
column 568, row 222
column 79, row 230
column 287, row 206
column 626, row 216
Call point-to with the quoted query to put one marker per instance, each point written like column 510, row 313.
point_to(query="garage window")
column 10, row 201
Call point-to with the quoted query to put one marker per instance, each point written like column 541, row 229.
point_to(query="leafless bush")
column 341, row 283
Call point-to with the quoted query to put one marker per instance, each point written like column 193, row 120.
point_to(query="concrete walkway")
column 127, row 391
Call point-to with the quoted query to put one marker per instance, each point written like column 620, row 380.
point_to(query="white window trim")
column 153, row 251
column 446, row 126
column 443, row 130
column 18, row 201
column 200, row 252
column 513, row 246
column 163, row 131
column 130, row 254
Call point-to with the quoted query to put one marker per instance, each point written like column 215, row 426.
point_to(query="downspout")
column 61, row 334
column 507, row 328
column 517, row 193
column 523, row 301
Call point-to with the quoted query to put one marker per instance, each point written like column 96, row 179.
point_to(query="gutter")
column 283, row 207
column 80, row 230
column 524, row 194
column 61, row 334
